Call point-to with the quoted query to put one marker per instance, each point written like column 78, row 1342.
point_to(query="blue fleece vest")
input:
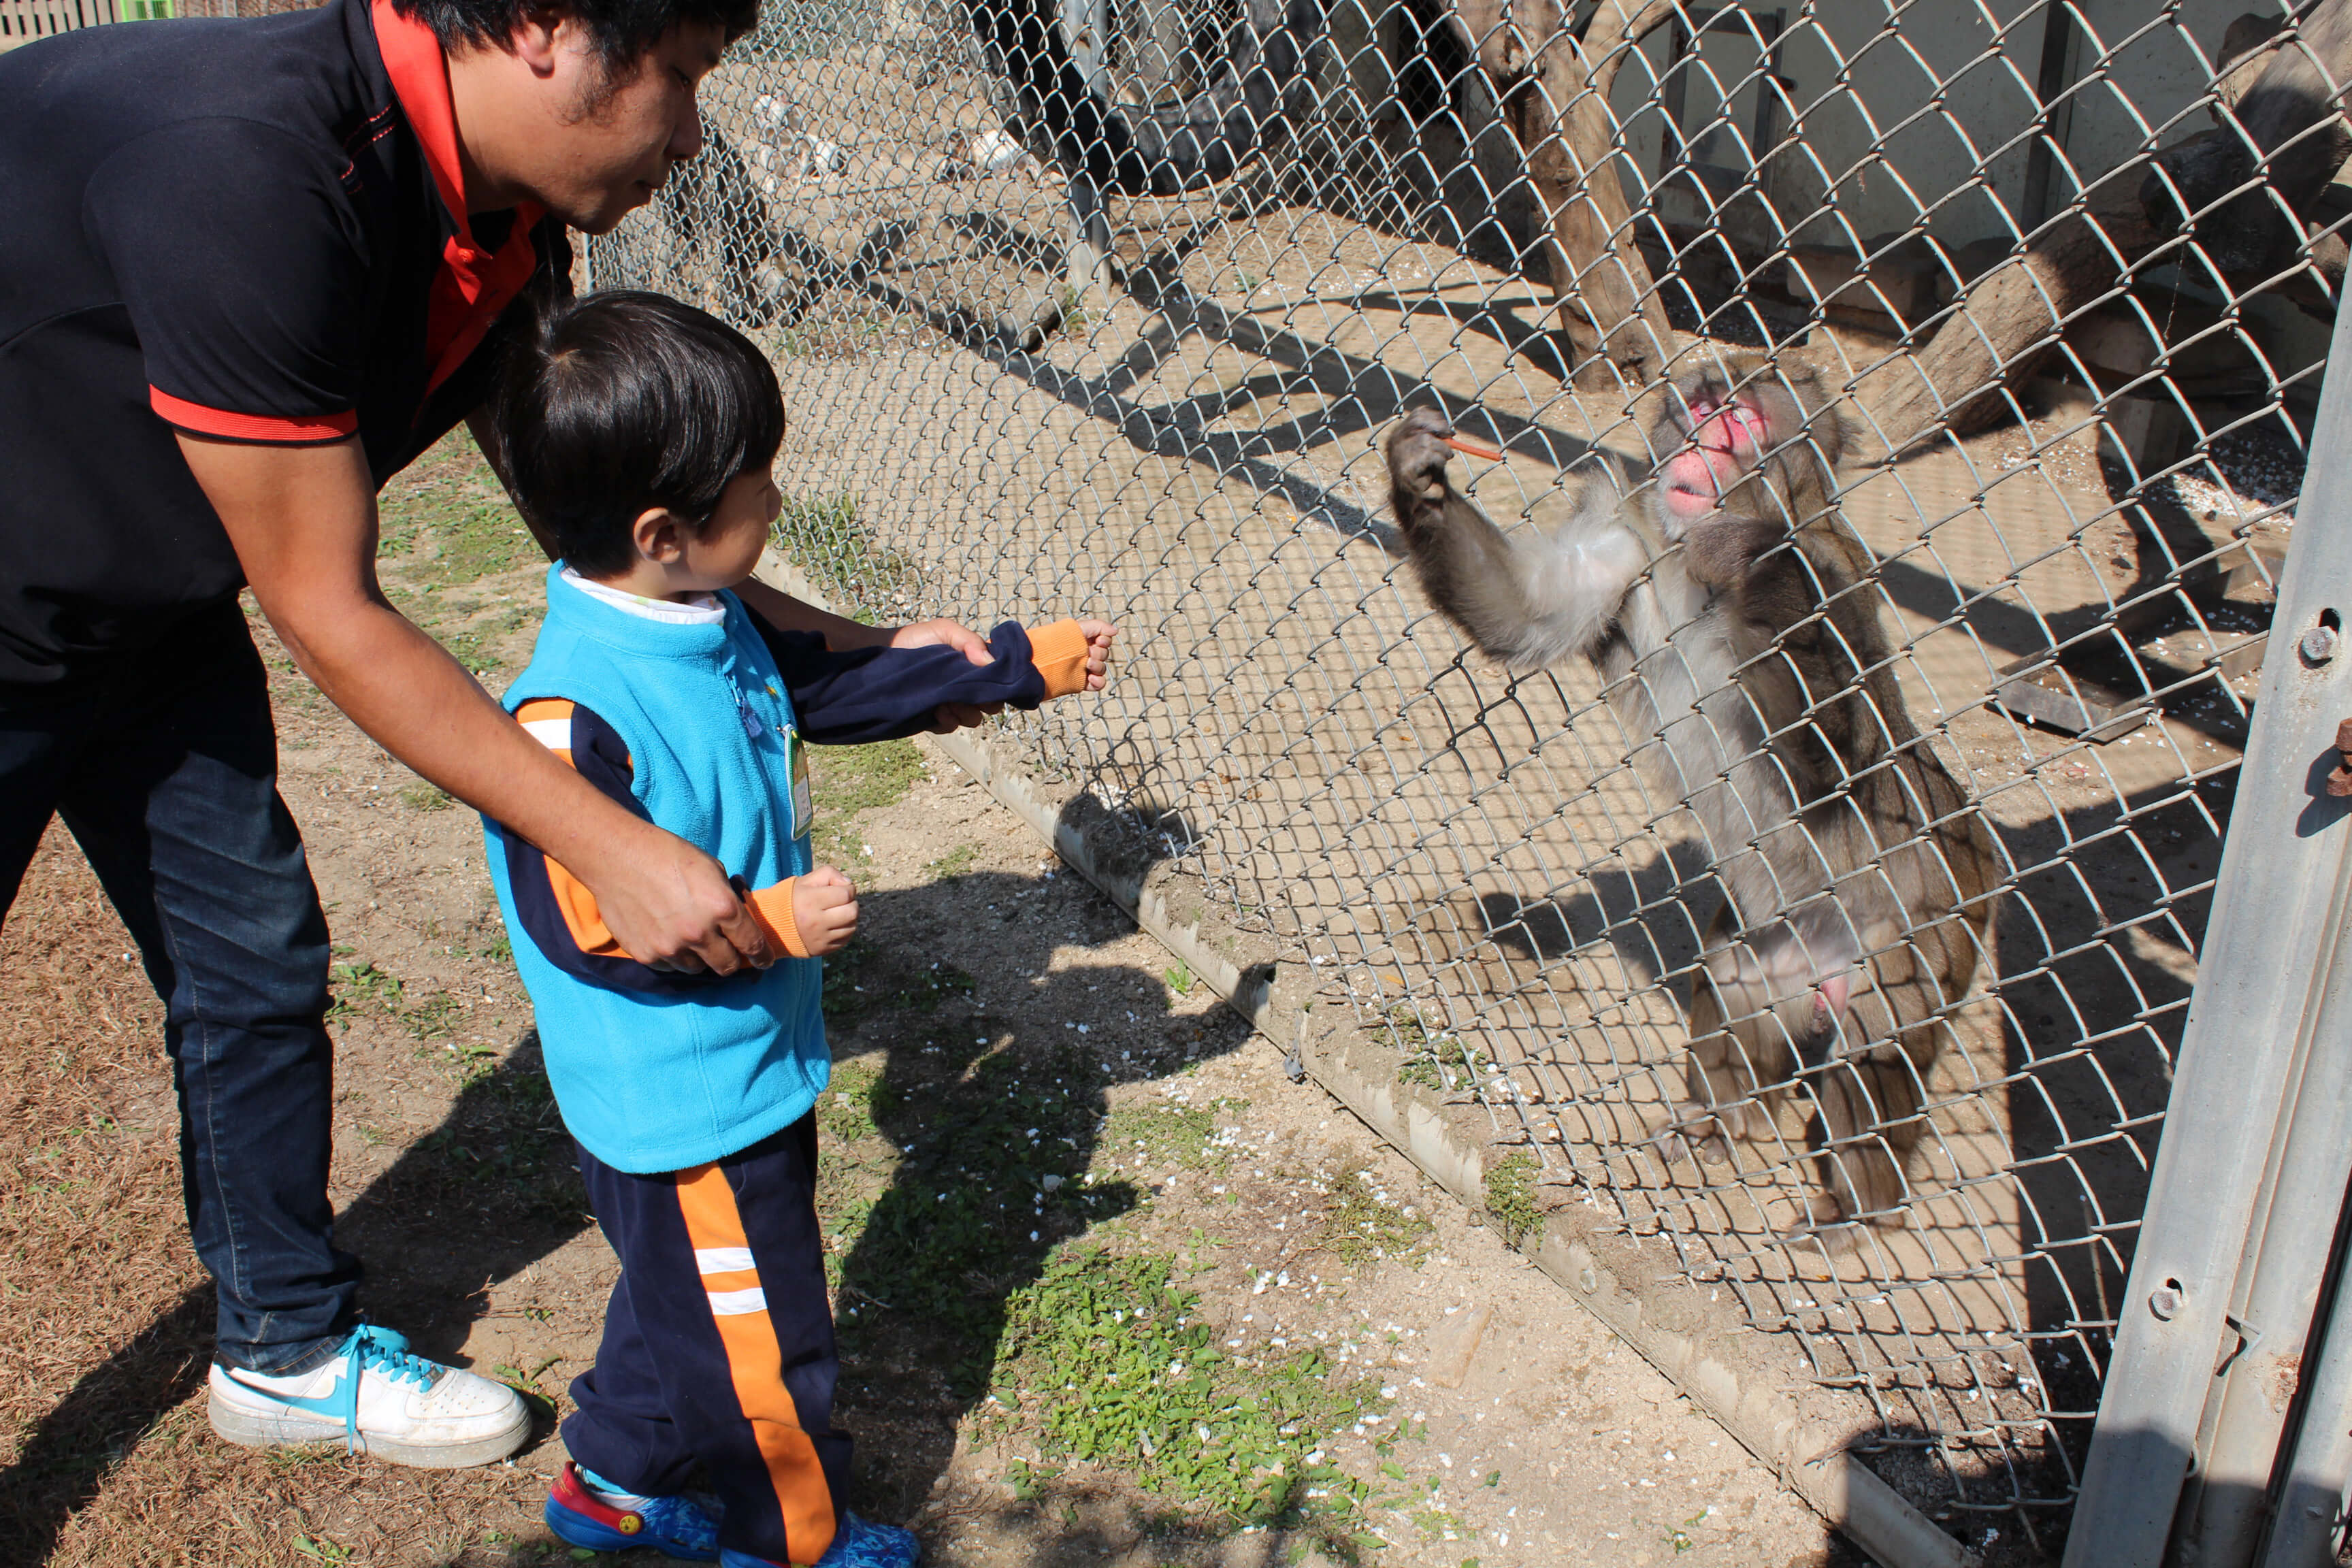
column 660, row 1081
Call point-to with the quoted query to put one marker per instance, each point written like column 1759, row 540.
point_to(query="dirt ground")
column 1039, row 1124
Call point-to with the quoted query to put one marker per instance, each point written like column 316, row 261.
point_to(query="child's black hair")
column 623, row 401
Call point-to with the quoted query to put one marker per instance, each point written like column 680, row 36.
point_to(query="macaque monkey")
column 1729, row 609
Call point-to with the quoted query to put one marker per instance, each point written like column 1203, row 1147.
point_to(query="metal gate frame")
column 2221, row 1435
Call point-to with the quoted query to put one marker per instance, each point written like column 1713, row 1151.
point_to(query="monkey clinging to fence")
column 1726, row 603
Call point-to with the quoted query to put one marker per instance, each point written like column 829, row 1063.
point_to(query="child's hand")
column 1098, row 638
column 825, row 908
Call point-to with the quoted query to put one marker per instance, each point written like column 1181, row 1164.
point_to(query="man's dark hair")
column 620, row 402
column 623, row 30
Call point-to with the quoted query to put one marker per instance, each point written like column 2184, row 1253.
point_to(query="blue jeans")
column 165, row 766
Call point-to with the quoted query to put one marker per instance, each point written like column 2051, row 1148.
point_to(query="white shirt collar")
column 699, row 610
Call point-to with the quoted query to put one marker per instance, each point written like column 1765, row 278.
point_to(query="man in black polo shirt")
column 249, row 269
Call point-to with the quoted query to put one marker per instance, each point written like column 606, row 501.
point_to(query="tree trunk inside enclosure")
column 2292, row 113
column 2002, row 328
column 1555, row 95
column 2283, row 87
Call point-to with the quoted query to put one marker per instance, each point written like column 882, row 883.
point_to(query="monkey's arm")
column 1528, row 600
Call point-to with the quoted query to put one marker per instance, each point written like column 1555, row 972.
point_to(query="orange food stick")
column 1470, row 448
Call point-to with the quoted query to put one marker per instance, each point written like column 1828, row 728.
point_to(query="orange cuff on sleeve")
column 580, row 914
column 549, row 719
column 772, row 908
column 1059, row 652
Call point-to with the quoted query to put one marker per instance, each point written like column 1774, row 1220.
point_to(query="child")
column 638, row 435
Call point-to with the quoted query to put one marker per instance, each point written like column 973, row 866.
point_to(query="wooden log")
column 1554, row 89
column 2292, row 117
column 2002, row 327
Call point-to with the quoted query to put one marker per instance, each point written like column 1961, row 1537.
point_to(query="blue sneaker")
column 581, row 1516
column 858, row 1543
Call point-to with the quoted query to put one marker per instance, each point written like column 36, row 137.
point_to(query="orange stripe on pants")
column 757, row 1365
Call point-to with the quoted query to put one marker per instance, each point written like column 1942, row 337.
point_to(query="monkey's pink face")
column 1727, row 440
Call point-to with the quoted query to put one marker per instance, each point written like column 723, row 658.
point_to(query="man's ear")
column 659, row 537
column 534, row 40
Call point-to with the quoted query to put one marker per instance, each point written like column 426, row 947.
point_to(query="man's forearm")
column 419, row 704
column 302, row 520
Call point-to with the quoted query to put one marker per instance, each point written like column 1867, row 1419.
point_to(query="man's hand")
column 655, row 893
column 1099, row 640
column 825, row 908
column 943, row 632
column 302, row 520
column 950, row 716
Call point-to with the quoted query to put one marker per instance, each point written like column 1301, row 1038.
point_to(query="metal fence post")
column 2315, row 1469
column 2249, row 1183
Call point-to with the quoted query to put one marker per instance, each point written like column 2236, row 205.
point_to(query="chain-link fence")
column 1091, row 303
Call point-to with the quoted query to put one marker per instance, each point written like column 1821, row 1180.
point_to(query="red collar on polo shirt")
column 473, row 285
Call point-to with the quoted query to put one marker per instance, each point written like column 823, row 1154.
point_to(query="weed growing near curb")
column 1511, row 1196
column 1363, row 1224
column 1438, row 1061
column 1157, row 1401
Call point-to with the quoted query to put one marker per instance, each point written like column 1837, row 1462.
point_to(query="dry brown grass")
column 106, row 1316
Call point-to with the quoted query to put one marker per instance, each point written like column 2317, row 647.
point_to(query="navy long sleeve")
column 867, row 694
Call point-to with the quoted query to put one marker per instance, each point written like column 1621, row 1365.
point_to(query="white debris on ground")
column 2244, row 476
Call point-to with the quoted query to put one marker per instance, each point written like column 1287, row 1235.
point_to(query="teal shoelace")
column 383, row 1353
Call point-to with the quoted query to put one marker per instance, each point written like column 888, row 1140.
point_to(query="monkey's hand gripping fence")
column 1079, row 303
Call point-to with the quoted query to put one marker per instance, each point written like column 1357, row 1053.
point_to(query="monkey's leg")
column 1869, row 1104
column 1735, row 1057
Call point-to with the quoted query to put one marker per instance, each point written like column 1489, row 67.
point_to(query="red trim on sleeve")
column 179, row 413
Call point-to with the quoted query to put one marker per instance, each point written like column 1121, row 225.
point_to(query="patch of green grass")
column 848, row 779
column 1155, row 1397
column 480, row 645
column 825, row 537
column 450, row 507
column 1511, row 1195
column 1361, row 1227
column 863, row 980
column 422, row 797
column 502, row 1153
column 955, row 863
column 928, row 1244
column 360, row 988
column 855, row 1101
column 1161, row 1134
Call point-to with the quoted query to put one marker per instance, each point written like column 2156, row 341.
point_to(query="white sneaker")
column 400, row 1407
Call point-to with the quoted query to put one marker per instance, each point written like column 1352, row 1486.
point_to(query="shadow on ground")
column 964, row 1113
